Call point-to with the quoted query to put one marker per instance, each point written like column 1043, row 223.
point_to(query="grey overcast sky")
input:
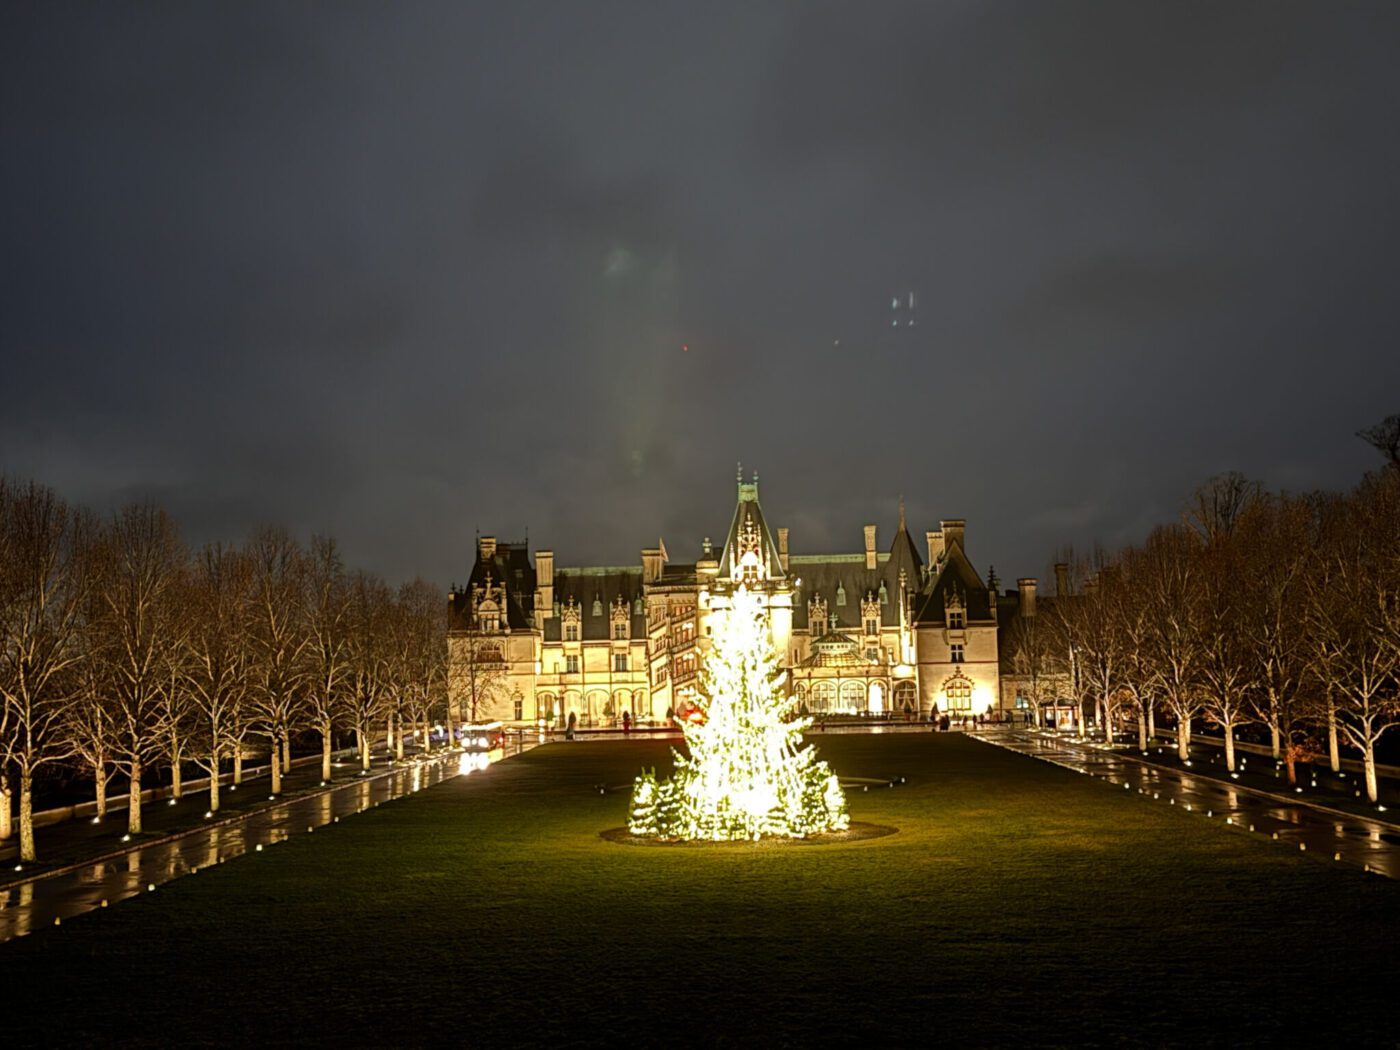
column 402, row 271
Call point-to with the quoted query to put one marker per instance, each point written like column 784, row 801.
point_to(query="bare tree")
column 1168, row 582
column 1384, row 437
column 369, row 663
column 1222, row 600
column 140, row 567
column 1276, row 547
column 1352, row 606
column 424, row 624
column 44, row 548
column 217, row 604
column 476, row 672
column 279, row 641
column 1217, row 506
column 328, row 649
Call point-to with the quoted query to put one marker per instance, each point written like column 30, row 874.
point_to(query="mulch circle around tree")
column 857, row 832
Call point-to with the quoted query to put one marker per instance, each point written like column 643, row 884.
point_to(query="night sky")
column 403, row 271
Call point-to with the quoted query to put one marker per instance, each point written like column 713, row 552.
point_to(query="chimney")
column 870, row 547
column 1061, row 579
column 783, row 548
column 935, row 548
column 651, row 564
column 953, row 532
column 1027, row 588
column 486, row 547
column 544, row 584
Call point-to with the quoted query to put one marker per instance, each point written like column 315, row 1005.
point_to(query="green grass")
column 1019, row 903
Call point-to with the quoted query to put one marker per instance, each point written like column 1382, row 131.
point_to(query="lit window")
column 872, row 626
column 957, row 656
column 619, row 630
column 571, row 665
column 619, row 661
column 959, row 694
column 955, row 619
column 872, row 655
column 571, row 632
column 519, row 708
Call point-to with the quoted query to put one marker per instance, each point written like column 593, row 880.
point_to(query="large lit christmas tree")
column 748, row 774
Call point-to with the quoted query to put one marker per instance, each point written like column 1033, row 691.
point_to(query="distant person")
column 573, row 721
column 626, row 722
column 933, row 720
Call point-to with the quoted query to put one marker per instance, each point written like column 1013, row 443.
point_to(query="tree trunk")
column 1334, row 754
column 99, row 775
column 133, row 802
column 1081, row 723
column 214, row 781
column 1230, row 746
column 1183, row 738
column 1274, row 734
column 6, row 819
column 1290, row 762
column 427, row 737
column 398, row 744
column 326, row 752
column 276, row 765
column 389, row 735
column 363, row 738
column 1151, row 723
column 286, row 751
column 238, row 763
column 26, row 816
column 1142, row 731
column 1368, row 757
column 176, row 784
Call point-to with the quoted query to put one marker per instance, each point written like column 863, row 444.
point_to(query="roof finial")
column 901, row 512
column 739, row 472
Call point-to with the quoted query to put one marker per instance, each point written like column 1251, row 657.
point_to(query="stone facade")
column 876, row 631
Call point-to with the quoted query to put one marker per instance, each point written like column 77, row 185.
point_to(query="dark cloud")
column 400, row 273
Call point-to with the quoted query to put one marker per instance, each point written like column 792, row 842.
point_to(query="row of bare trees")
column 124, row 652
column 1258, row 608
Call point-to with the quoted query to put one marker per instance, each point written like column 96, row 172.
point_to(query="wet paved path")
column 1367, row 844
column 100, row 883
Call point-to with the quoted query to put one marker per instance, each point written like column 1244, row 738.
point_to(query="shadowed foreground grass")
column 1019, row 903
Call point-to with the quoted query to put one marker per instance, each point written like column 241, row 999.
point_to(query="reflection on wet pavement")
column 46, row 901
column 1369, row 845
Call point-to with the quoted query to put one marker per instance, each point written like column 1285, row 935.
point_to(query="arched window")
column 875, row 699
column 958, row 692
column 823, row 697
column 906, row 697
column 547, row 706
column 852, row 697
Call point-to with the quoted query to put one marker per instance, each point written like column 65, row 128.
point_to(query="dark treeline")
column 123, row 652
column 1274, row 610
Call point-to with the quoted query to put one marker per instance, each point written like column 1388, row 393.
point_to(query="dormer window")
column 955, row 619
column 620, row 631
column 571, row 632
column 840, row 594
column 872, row 627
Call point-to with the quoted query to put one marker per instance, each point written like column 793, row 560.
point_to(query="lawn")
column 1019, row 903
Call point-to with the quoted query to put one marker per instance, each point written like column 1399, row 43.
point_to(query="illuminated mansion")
column 877, row 631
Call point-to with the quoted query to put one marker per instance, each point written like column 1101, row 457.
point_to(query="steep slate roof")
column 745, row 510
column 954, row 573
column 823, row 573
column 510, row 564
column 602, row 583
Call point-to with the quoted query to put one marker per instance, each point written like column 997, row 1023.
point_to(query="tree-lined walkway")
column 1367, row 843
column 83, row 887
